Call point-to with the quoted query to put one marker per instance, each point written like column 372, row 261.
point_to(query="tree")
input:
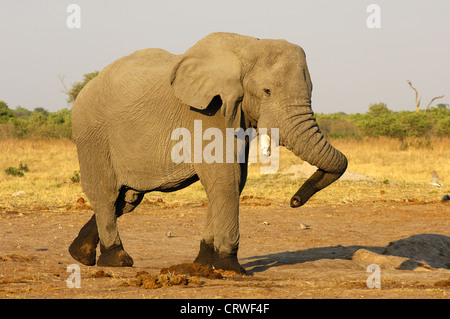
column 379, row 108
column 21, row 112
column 5, row 112
column 77, row 86
column 419, row 98
column 41, row 110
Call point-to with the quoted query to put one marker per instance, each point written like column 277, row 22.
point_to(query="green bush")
column 377, row 125
column 17, row 171
column 38, row 124
column 337, row 125
column 413, row 124
column 76, row 177
column 443, row 127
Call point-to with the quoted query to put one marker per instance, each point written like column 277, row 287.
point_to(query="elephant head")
column 262, row 84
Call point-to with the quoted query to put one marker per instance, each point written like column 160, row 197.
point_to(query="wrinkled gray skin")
column 123, row 120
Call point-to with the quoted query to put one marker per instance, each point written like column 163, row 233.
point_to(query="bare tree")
column 417, row 100
column 435, row 98
column 61, row 78
column 417, row 95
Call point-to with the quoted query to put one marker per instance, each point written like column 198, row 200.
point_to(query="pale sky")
column 351, row 65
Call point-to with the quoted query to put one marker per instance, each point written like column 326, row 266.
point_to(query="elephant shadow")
column 433, row 249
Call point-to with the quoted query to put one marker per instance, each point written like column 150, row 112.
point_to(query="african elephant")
column 123, row 120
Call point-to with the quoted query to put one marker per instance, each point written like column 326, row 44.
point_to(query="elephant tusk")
column 264, row 144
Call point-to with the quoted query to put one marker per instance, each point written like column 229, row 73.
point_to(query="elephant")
column 123, row 119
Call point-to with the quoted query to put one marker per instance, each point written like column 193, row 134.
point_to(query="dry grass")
column 401, row 174
column 405, row 173
column 398, row 174
column 384, row 158
column 51, row 164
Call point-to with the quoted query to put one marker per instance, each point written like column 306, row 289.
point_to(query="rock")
column 369, row 257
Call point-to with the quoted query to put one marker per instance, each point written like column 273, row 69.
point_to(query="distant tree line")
column 377, row 121
column 40, row 123
column 380, row 121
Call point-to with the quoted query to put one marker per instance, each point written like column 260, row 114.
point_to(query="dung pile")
column 176, row 275
column 193, row 270
column 149, row 281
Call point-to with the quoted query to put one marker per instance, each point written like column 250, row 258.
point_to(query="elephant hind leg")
column 100, row 185
column 102, row 227
column 112, row 252
column 83, row 248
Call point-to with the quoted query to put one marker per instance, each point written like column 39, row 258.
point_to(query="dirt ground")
column 318, row 251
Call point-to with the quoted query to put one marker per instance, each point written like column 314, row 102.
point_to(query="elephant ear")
column 200, row 75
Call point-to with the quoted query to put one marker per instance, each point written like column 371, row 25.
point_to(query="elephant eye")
column 267, row 91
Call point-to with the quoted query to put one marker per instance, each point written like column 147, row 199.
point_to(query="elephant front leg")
column 206, row 253
column 220, row 242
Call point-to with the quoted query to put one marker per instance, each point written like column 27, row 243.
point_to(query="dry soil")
column 320, row 250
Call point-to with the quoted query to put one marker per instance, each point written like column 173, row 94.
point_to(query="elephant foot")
column 228, row 262
column 83, row 250
column 208, row 255
column 114, row 256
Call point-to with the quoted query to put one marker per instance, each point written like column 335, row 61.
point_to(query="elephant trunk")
column 302, row 136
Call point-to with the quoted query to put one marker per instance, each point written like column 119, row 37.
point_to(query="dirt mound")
column 431, row 248
column 193, row 270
